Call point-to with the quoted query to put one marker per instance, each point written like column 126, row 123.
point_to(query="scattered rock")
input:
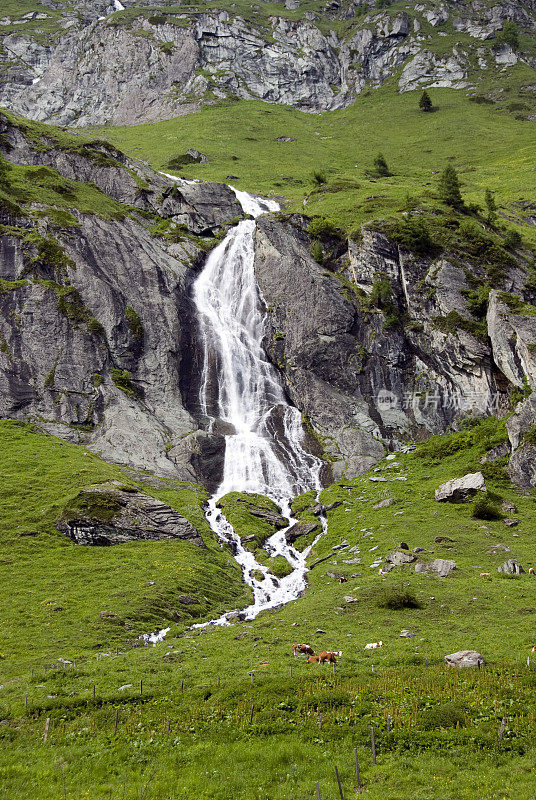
column 418, row 549
column 465, row 658
column 499, row 548
column 348, row 599
column 459, row 490
column 511, row 567
column 511, row 523
column 111, row 514
column 300, row 529
column 508, row 507
column 378, row 479
column 403, row 546
column 285, row 139
column 407, row 634
column 194, row 156
column 385, row 503
column 186, row 600
column 441, row 539
column 440, row 566
column 398, row 558
column 319, row 630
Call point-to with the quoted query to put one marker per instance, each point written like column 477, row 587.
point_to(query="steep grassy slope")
column 488, row 146
column 60, row 596
column 189, row 730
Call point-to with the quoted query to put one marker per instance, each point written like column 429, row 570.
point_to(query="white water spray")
column 242, row 392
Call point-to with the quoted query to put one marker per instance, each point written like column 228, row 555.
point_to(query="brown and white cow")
column 306, row 649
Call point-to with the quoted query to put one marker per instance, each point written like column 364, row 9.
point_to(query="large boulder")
column 459, row 490
column 114, row 514
column 465, row 658
column 511, row 567
column 300, row 529
column 441, row 566
column 397, row 559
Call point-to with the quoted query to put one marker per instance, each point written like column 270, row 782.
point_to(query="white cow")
column 373, row 645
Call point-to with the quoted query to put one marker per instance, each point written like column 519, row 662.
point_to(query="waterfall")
column 242, row 393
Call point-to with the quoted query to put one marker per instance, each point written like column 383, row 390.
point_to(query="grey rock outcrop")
column 511, row 567
column 459, row 490
column 440, row 566
column 397, row 559
column 108, row 515
column 129, row 68
column 465, row 658
column 300, row 529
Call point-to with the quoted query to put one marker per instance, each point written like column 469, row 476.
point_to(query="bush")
column 509, row 35
column 444, row 715
column 413, row 234
column 513, row 240
column 380, row 166
column 123, row 380
column 317, row 252
column 320, row 226
column 134, row 323
column 485, row 508
column 395, row 599
column 319, row 177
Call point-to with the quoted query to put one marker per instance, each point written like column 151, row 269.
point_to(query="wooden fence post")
column 502, row 729
column 251, row 715
column 47, row 724
column 317, row 791
column 339, row 783
column 320, row 720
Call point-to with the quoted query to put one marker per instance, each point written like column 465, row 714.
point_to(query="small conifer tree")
column 425, row 103
column 449, row 187
column 491, row 206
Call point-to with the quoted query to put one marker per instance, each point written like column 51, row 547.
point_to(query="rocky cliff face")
column 377, row 345
column 94, row 318
column 87, row 65
column 370, row 373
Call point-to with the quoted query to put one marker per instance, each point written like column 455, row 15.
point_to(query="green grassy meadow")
column 189, row 730
column 489, row 147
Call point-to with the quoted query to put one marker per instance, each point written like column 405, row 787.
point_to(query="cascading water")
column 242, row 392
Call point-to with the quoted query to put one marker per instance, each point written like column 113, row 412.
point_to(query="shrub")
column 158, row 19
column 509, row 35
column 319, row 177
column 413, row 234
column 134, row 323
column 317, row 252
column 123, row 380
column 380, row 166
column 320, row 226
column 513, row 240
column 444, row 715
column 397, row 598
column 485, row 508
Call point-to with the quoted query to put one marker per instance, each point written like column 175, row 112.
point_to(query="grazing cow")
column 306, row 649
column 485, row 575
column 533, row 649
column 313, row 659
column 327, row 657
column 531, row 571
column 373, row 645
column 342, row 579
